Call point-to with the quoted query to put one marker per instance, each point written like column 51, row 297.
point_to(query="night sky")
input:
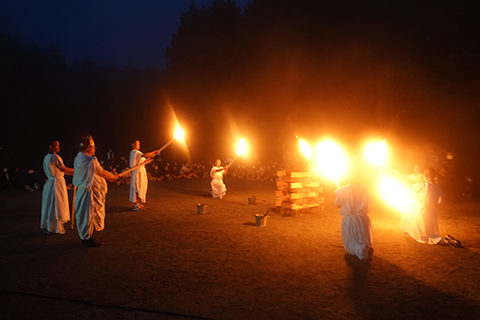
column 405, row 71
column 105, row 32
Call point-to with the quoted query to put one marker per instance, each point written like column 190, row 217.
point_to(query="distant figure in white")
column 55, row 209
column 355, row 203
column 421, row 222
column 218, row 187
column 139, row 180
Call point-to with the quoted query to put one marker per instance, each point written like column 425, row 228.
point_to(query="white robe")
column 218, row 187
column 90, row 195
column 356, row 227
column 139, row 181
column 55, row 209
column 421, row 221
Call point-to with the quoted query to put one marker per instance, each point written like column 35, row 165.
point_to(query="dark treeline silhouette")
column 43, row 98
column 406, row 70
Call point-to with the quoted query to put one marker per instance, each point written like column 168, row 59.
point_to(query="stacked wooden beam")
column 298, row 190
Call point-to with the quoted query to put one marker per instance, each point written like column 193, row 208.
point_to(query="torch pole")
column 166, row 145
column 232, row 161
column 147, row 161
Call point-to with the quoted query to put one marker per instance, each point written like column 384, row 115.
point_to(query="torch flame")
column 376, row 152
column 396, row 193
column 242, row 147
column 331, row 159
column 305, row 147
column 178, row 134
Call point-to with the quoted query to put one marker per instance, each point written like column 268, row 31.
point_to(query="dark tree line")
column 405, row 70
column 402, row 69
column 43, row 98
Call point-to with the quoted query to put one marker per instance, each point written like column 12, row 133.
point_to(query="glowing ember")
column 331, row 159
column 376, row 152
column 395, row 193
column 305, row 147
column 242, row 147
column 178, row 134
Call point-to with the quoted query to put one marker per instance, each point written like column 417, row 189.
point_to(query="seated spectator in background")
column 32, row 181
column 187, row 172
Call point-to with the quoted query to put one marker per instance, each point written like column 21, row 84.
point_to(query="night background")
column 266, row 70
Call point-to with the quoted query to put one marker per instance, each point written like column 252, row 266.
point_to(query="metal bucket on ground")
column 261, row 220
column 252, row 200
column 201, row 208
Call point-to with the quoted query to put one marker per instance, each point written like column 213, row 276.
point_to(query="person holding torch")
column 139, row 180
column 355, row 203
column 216, row 173
column 89, row 197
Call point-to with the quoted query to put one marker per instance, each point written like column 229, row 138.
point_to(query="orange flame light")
column 376, row 152
column 305, row 147
column 331, row 159
column 178, row 133
column 396, row 193
column 242, row 147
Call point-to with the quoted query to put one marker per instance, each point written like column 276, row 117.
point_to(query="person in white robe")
column 355, row 203
column 409, row 205
column 422, row 224
column 89, row 178
column 216, row 173
column 139, row 179
column 55, row 208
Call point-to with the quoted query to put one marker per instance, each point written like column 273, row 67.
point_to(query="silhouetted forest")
column 406, row 71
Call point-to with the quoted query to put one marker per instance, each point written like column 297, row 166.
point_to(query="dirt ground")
column 170, row 262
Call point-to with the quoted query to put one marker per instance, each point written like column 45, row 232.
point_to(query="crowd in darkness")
column 31, row 179
column 455, row 183
column 159, row 170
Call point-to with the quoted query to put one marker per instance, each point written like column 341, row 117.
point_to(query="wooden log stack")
column 298, row 190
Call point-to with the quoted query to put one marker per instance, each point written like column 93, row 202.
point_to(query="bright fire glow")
column 376, row 152
column 396, row 193
column 331, row 159
column 305, row 147
column 178, row 134
column 242, row 147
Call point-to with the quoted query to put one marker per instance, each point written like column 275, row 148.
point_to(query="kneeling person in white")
column 218, row 187
column 355, row 203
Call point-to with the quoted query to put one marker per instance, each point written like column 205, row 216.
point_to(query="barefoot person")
column 55, row 209
column 139, row 180
column 355, row 203
column 89, row 177
column 218, row 187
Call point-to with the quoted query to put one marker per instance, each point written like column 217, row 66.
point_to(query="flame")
column 305, row 147
column 178, row 134
column 242, row 147
column 331, row 159
column 376, row 152
column 396, row 193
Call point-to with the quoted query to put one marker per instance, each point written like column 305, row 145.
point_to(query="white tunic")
column 55, row 209
column 139, row 181
column 218, row 187
column 421, row 222
column 356, row 227
column 90, row 195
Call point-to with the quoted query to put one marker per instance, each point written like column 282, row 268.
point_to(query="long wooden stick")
column 121, row 174
column 72, row 219
column 232, row 161
column 148, row 161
